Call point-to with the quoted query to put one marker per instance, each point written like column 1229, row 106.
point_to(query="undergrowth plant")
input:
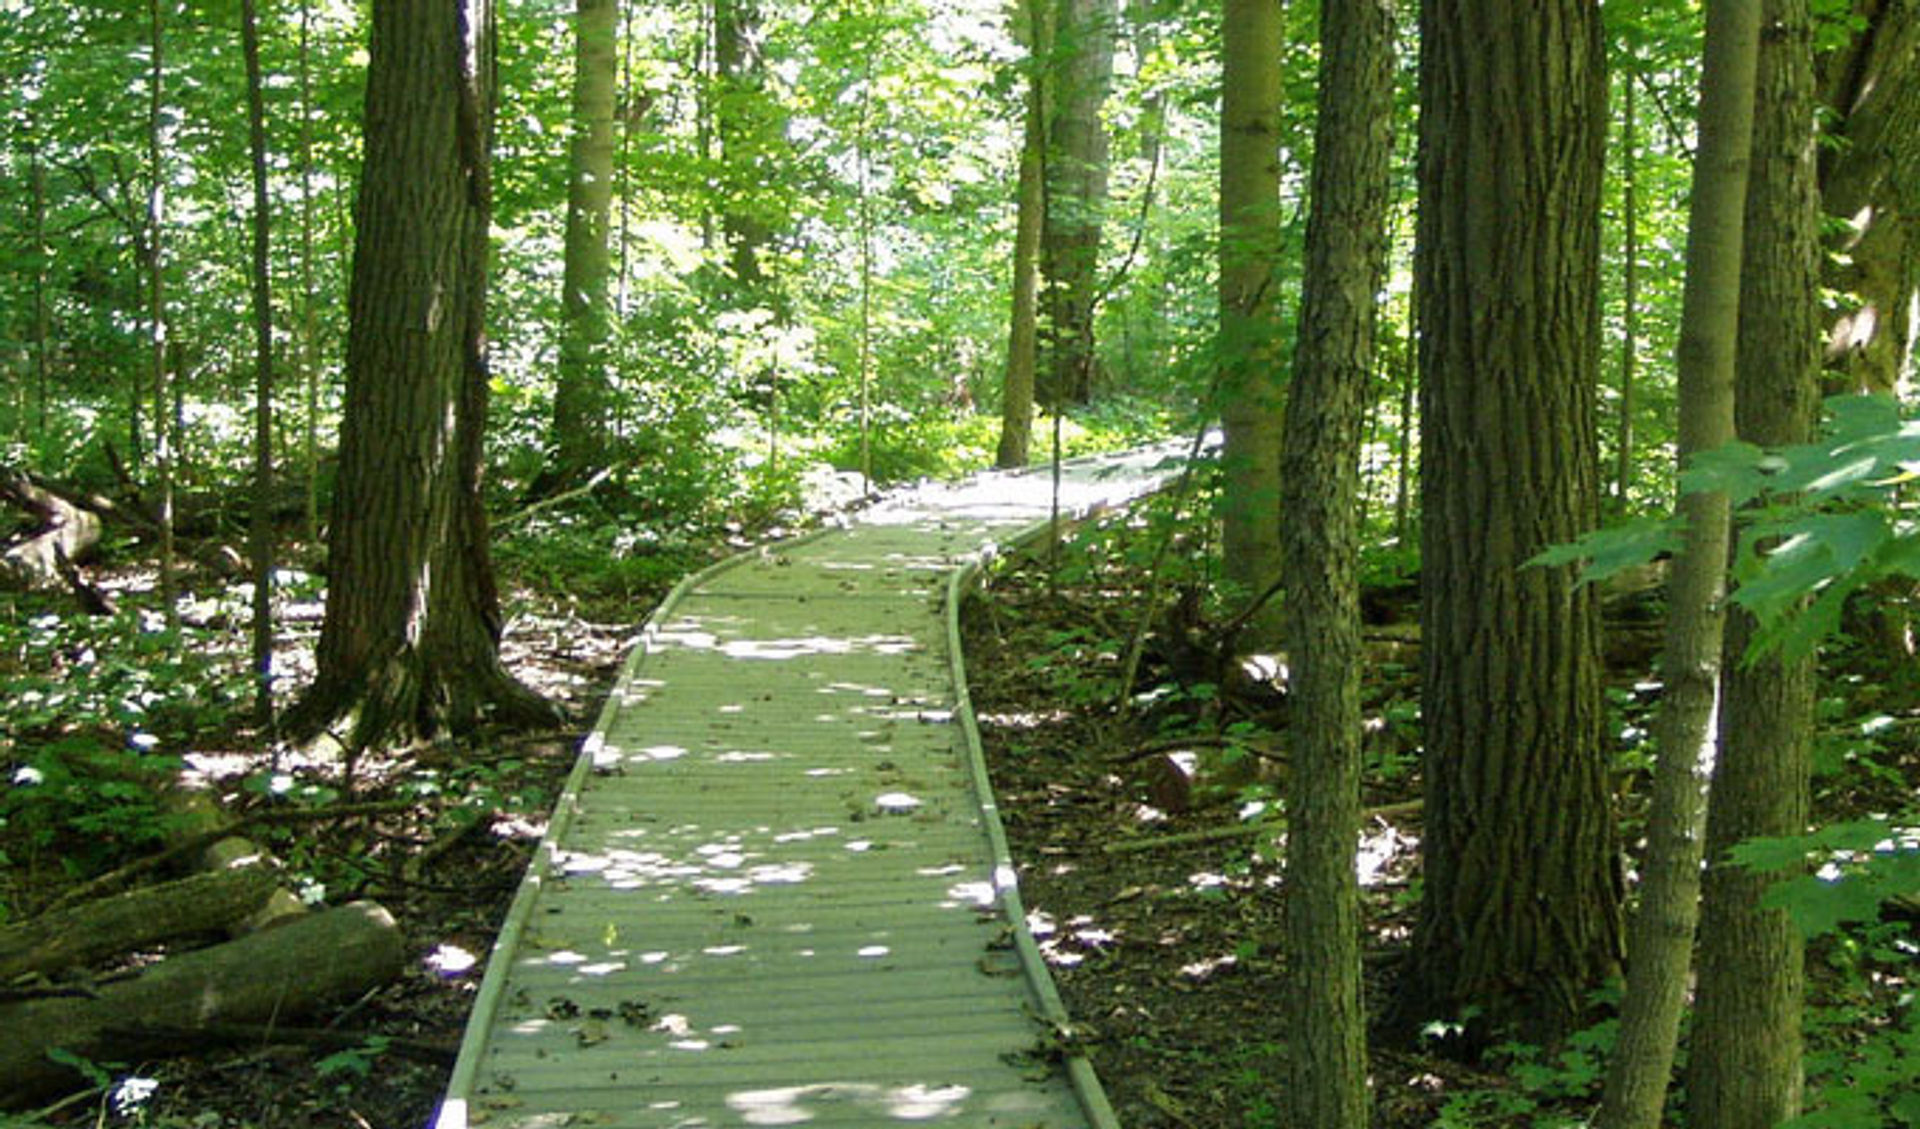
column 96, row 711
column 1853, row 889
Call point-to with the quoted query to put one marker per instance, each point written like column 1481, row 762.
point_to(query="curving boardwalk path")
column 775, row 891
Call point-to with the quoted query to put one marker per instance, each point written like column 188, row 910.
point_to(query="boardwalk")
column 775, row 891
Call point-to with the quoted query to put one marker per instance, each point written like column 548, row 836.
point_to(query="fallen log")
column 268, row 977
column 220, row 844
column 92, row 931
column 62, row 530
column 1247, row 830
column 202, row 819
column 1626, row 644
column 278, row 1034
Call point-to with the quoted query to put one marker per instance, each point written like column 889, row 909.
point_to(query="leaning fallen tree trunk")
column 277, row 975
column 65, row 532
column 92, row 931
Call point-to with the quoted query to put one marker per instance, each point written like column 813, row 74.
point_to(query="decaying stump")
column 277, row 975
column 122, row 923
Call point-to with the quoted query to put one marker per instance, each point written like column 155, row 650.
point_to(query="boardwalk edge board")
column 958, row 580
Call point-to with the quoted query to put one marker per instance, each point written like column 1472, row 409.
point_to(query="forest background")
column 808, row 228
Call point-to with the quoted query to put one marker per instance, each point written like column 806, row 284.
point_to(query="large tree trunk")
column 1080, row 70
column 1745, row 1055
column 1870, row 187
column 580, row 400
column 278, row 975
column 1521, row 910
column 1320, row 543
column 1660, row 946
column 411, row 639
column 1250, row 388
column 1016, row 402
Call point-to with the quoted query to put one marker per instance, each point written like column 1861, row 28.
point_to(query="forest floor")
column 1154, row 900
column 385, row 1061
column 1156, row 904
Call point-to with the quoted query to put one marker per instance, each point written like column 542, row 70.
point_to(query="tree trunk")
column 1080, row 68
column 42, row 328
column 1745, row 1054
column 1016, row 402
column 411, row 640
column 120, row 923
column 739, row 122
column 1143, row 15
column 163, row 432
column 581, row 400
column 1660, row 947
column 260, row 533
column 309, row 372
column 281, row 974
column 1403, row 484
column 1320, row 543
column 1629, row 294
column 863, row 215
column 1520, row 917
column 1250, row 388
column 1870, row 187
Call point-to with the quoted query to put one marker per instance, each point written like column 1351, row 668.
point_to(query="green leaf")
column 1738, row 469
column 1819, row 906
column 1824, row 555
column 1769, row 854
column 1860, row 418
column 1615, row 548
column 94, row 1072
column 1866, row 862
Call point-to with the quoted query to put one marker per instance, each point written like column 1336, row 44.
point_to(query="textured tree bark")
column 1081, row 73
column 1745, row 1069
column 1320, row 542
column 1660, row 944
column 1016, row 401
column 1521, row 911
column 1250, row 370
column 581, row 400
column 411, row 640
column 1870, row 185
column 281, row 974
column 121, row 923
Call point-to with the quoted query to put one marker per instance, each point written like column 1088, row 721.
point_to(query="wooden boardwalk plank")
column 774, row 890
